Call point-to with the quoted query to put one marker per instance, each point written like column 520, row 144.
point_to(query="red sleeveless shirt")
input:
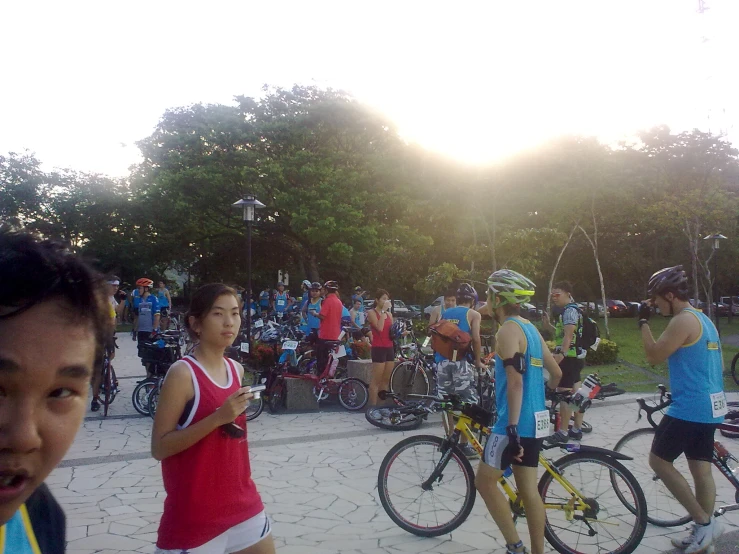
column 381, row 339
column 209, row 485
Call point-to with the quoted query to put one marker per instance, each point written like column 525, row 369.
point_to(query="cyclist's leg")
column 670, row 440
column 705, row 486
column 526, row 475
column 96, row 382
column 486, row 482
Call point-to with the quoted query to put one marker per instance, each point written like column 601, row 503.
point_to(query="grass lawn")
column 625, row 333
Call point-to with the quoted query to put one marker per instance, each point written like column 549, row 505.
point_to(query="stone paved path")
column 317, row 475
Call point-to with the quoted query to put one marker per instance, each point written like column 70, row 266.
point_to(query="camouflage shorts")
column 457, row 378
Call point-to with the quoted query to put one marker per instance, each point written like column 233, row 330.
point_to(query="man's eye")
column 62, row 393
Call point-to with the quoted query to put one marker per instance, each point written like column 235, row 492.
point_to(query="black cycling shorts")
column 571, row 369
column 677, row 436
column 382, row 354
column 499, row 456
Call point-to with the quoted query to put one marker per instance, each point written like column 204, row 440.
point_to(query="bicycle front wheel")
column 408, row 378
column 606, row 524
column 435, row 509
column 140, row 396
column 153, row 401
column 663, row 509
column 108, row 386
column 394, row 418
column 353, row 394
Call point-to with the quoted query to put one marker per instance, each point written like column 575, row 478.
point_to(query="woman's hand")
column 234, row 405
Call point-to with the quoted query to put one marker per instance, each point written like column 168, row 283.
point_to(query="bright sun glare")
column 474, row 80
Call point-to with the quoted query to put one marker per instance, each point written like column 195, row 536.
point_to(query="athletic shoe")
column 514, row 548
column 469, row 452
column 703, row 536
column 95, row 405
column 687, row 540
column 557, row 438
column 575, row 435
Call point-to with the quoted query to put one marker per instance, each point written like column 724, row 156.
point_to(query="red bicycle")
column 351, row 391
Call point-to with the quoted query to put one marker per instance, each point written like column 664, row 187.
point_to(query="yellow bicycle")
column 593, row 503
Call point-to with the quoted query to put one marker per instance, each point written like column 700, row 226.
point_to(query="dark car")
column 633, row 308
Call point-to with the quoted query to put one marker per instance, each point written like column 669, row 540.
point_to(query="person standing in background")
column 165, row 302
column 382, row 352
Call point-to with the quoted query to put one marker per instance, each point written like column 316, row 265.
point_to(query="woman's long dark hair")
column 202, row 302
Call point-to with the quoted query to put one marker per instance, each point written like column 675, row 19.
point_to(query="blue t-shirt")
column 148, row 307
column 533, row 399
column 313, row 321
column 695, row 374
column 264, row 299
column 346, row 317
column 162, row 299
column 281, row 302
column 457, row 315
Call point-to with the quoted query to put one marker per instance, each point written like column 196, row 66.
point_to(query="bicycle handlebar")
column 665, row 399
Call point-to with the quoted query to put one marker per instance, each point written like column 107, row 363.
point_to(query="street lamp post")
column 716, row 240
column 249, row 204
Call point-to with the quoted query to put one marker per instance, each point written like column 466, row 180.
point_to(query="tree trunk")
column 556, row 265
column 311, row 266
column 600, row 277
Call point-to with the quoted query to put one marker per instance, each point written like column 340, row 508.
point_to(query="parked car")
column 719, row 307
column 591, row 307
column 531, row 312
column 369, row 304
column 633, row 308
column 400, row 309
column 430, row 308
column 415, row 307
column 733, row 301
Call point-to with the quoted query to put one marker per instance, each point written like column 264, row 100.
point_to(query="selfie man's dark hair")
column 33, row 271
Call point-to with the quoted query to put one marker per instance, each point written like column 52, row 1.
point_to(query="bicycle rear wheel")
column 438, row 508
column 255, row 408
column 353, row 394
column 140, row 396
column 607, row 524
column 153, row 401
column 277, row 395
column 409, row 378
column 663, row 509
column 394, row 418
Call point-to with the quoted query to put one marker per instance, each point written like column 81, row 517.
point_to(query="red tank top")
column 209, row 485
column 382, row 338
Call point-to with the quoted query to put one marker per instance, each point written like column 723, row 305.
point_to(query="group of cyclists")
column 200, row 435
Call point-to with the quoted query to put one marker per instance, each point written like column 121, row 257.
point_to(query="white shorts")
column 239, row 537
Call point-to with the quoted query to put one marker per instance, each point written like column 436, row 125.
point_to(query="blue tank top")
column 458, row 316
column 162, row 299
column 696, row 373
column 264, row 299
column 280, row 302
column 17, row 536
column 533, row 385
column 312, row 321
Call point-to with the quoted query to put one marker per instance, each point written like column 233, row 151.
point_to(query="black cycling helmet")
column 315, row 285
column 669, row 279
column 331, row 285
column 466, row 291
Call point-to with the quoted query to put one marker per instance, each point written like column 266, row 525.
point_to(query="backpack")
column 588, row 337
column 448, row 340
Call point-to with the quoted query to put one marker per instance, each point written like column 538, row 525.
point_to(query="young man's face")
column 43, row 394
column 560, row 298
column 450, row 302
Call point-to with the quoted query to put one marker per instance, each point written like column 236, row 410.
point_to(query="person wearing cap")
column 330, row 328
column 148, row 310
column 312, row 308
column 112, row 283
column 359, row 295
column 281, row 301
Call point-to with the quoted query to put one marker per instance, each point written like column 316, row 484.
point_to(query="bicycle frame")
column 464, row 426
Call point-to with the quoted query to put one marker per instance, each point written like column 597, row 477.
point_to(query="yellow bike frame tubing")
column 463, row 425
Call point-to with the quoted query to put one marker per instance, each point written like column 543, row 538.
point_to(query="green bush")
column 421, row 328
column 607, row 353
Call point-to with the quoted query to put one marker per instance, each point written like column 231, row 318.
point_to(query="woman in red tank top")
column 199, row 434
column 383, row 352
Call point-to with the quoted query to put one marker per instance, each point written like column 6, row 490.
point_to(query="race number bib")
column 245, row 347
column 718, row 405
column 341, row 352
column 280, row 302
column 542, row 424
column 290, row 345
column 258, row 324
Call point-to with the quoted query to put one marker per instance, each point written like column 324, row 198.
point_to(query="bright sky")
column 82, row 81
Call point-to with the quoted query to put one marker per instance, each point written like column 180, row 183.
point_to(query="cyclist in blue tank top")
column 523, row 420
column 282, row 300
column 447, row 302
column 692, row 349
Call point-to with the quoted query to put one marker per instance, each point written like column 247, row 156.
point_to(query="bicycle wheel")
column 353, row 394
column 254, row 408
column 394, row 418
column 607, row 525
column 277, row 396
column 108, row 384
column 663, row 509
column 585, row 427
column 429, row 511
column 140, row 396
column 153, row 401
column 734, row 369
column 407, row 378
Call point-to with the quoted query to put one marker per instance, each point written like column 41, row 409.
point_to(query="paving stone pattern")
column 316, row 472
